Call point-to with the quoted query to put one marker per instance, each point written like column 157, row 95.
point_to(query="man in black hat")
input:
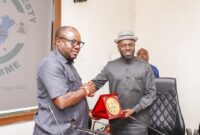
column 133, row 80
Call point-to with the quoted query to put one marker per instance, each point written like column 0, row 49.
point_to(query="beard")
column 127, row 55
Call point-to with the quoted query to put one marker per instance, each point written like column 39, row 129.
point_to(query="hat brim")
column 126, row 38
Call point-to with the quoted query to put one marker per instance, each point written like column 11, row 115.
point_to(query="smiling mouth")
column 127, row 53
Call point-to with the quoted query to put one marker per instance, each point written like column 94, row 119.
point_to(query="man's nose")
column 76, row 46
column 127, row 47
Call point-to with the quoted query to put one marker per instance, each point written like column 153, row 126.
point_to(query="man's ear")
column 62, row 45
column 57, row 42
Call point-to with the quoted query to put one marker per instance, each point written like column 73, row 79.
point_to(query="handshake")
column 89, row 89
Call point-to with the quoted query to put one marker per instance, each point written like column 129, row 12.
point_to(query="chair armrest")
column 196, row 132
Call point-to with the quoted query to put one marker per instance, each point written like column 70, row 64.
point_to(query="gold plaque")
column 112, row 106
column 108, row 107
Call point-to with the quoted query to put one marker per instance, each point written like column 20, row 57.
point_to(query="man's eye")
column 73, row 41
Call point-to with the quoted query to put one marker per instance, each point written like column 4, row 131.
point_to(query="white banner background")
column 25, row 38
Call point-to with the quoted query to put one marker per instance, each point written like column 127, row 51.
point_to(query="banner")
column 25, row 38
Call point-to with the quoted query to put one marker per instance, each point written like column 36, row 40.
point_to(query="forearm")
column 150, row 92
column 99, row 83
column 145, row 101
column 100, row 79
column 69, row 99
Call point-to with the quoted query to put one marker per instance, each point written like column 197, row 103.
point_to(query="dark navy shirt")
column 155, row 71
column 55, row 77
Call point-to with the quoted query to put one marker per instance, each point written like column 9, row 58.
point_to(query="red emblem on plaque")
column 107, row 107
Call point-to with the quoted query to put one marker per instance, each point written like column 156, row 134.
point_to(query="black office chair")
column 165, row 113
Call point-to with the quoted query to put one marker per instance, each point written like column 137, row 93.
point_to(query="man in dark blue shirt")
column 144, row 55
column 61, row 95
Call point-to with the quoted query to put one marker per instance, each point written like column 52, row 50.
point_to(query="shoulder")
column 50, row 63
column 114, row 62
column 154, row 67
column 141, row 62
column 143, row 65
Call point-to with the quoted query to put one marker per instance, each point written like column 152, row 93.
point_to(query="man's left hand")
column 128, row 112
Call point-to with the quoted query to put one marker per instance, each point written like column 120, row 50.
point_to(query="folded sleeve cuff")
column 137, row 108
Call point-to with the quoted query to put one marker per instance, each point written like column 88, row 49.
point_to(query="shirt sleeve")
column 150, row 92
column 53, row 78
column 100, row 79
column 155, row 71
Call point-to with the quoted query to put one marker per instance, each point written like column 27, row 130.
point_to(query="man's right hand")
column 89, row 88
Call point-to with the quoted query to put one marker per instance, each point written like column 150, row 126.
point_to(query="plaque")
column 107, row 107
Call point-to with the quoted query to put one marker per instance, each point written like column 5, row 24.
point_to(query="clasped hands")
column 89, row 89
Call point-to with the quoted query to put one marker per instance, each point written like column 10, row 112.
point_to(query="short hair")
column 60, row 30
column 142, row 49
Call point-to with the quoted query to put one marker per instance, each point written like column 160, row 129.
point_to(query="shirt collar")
column 61, row 57
column 128, row 61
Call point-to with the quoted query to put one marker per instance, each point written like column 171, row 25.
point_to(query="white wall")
column 25, row 128
column 98, row 21
column 170, row 31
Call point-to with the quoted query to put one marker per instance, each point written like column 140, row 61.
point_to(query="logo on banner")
column 14, row 24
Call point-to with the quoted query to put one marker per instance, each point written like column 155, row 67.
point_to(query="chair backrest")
column 165, row 112
column 199, row 129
